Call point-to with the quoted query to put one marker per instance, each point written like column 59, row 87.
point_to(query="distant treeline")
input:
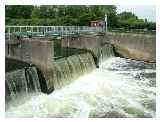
column 73, row 15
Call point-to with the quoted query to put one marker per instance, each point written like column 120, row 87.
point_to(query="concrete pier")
column 37, row 51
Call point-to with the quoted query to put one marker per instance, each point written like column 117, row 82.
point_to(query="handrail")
column 25, row 30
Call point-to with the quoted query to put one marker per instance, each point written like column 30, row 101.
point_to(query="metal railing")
column 135, row 31
column 25, row 31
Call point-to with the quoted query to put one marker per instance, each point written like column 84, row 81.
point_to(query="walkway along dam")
column 81, row 75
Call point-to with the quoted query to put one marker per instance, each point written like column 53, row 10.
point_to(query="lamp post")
column 105, row 20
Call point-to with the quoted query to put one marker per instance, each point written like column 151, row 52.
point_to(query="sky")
column 142, row 11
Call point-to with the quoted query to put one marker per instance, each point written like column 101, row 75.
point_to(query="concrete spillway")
column 22, row 82
column 28, row 79
column 68, row 69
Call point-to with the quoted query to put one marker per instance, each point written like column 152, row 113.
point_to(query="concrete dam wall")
column 95, row 43
column 83, row 41
column 134, row 46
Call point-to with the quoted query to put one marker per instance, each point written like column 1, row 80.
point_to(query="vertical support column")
column 105, row 22
column 9, row 33
column 14, row 29
column 32, row 29
column 61, row 30
column 54, row 29
column 26, row 29
column 20, row 30
column 37, row 29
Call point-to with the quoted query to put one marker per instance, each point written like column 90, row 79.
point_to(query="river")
column 118, row 88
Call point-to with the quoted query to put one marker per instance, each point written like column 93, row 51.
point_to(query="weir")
column 78, row 55
column 21, row 82
column 72, row 67
column 41, row 73
column 28, row 79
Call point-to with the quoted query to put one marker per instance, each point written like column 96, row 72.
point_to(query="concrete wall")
column 14, row 64
column 31, row 50
column 89, row 41
column 83, row 41
column 134, row 46
column 37, row 51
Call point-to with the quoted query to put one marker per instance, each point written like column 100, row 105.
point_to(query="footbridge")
column 45, row 31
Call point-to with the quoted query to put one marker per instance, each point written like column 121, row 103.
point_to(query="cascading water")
column 20, row 83
column 119, row 88
column 106, row 52
column 102, row 53
column 72, row 67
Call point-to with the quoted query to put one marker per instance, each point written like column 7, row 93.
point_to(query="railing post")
column 20, row 29
column 32, row 29
column 105, row 22
column 9, row 31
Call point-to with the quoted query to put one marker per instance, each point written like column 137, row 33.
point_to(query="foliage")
column 129, row 20
column 127, row 15
column 61, row 15
column 19, row 11
column 73, row 15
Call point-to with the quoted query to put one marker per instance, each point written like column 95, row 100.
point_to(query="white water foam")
column 108, row 91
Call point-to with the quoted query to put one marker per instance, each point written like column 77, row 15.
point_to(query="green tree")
column 35, row 12
column 127, row 15
column 19, row 11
